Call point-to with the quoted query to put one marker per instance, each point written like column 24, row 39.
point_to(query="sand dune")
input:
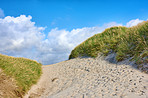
column 90, row 78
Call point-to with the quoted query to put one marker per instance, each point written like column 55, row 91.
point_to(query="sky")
column 48, row 30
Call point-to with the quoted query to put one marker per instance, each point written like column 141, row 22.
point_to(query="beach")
column 90, row 78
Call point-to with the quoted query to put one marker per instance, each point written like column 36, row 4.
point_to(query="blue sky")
column 64, row 23
column 72, row 14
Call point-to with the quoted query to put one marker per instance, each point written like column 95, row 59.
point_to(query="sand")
column 8, row 87
column 90, row 78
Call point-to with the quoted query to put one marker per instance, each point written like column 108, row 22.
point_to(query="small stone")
column 87, row 70
column 144, row 87
column 132, row 90
column 114, row 94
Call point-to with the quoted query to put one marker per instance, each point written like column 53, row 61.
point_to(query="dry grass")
column 25, row 72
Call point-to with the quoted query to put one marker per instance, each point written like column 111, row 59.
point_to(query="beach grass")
column 125, row 42
column 26, row 72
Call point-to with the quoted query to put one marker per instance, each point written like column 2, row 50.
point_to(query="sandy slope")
column 90, row 78
column 8, row 88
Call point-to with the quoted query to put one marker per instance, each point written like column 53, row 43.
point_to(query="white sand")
column 90, row 78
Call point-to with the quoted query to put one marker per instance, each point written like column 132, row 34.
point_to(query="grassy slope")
column 26, row 72
column 125, row 42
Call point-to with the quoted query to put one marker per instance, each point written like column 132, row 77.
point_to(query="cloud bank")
column 20, row 37
column 133, row 22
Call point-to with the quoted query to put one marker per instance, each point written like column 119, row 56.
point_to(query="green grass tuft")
column 125, row 42
column 26, row 72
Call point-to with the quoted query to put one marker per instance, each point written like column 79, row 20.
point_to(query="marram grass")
column 125, row 42
column 26, row 72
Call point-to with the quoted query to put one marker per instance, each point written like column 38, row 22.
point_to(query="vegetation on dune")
column 26, row 72
column 125, row 42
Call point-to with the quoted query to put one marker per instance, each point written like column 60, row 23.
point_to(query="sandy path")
column 90, row 78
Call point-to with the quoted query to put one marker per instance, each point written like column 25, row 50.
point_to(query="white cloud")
column 59, row 43
column 133, row 22
column 1, row 13
column 21, row 38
